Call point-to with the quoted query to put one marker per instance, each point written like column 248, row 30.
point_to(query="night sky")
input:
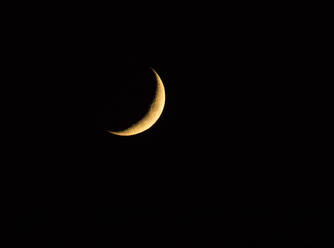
column 236, row 159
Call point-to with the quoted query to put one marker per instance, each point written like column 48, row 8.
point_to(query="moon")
column 153, row 114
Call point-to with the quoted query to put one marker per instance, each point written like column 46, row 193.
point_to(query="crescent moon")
column 153, row 114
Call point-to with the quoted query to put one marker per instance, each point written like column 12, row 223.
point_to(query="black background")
column 237, row 157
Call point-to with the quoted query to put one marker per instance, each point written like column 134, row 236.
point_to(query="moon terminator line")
column 153, row 114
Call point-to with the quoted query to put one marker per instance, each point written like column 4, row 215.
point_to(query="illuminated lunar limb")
column 152, row 116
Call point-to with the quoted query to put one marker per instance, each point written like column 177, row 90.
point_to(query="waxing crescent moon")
column 153, row 114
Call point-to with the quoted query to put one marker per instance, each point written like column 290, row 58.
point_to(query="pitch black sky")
column 232, row 158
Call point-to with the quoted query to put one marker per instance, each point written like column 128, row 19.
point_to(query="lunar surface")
column 153, row 114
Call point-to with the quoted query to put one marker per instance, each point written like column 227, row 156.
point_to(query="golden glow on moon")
column 152, row 115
